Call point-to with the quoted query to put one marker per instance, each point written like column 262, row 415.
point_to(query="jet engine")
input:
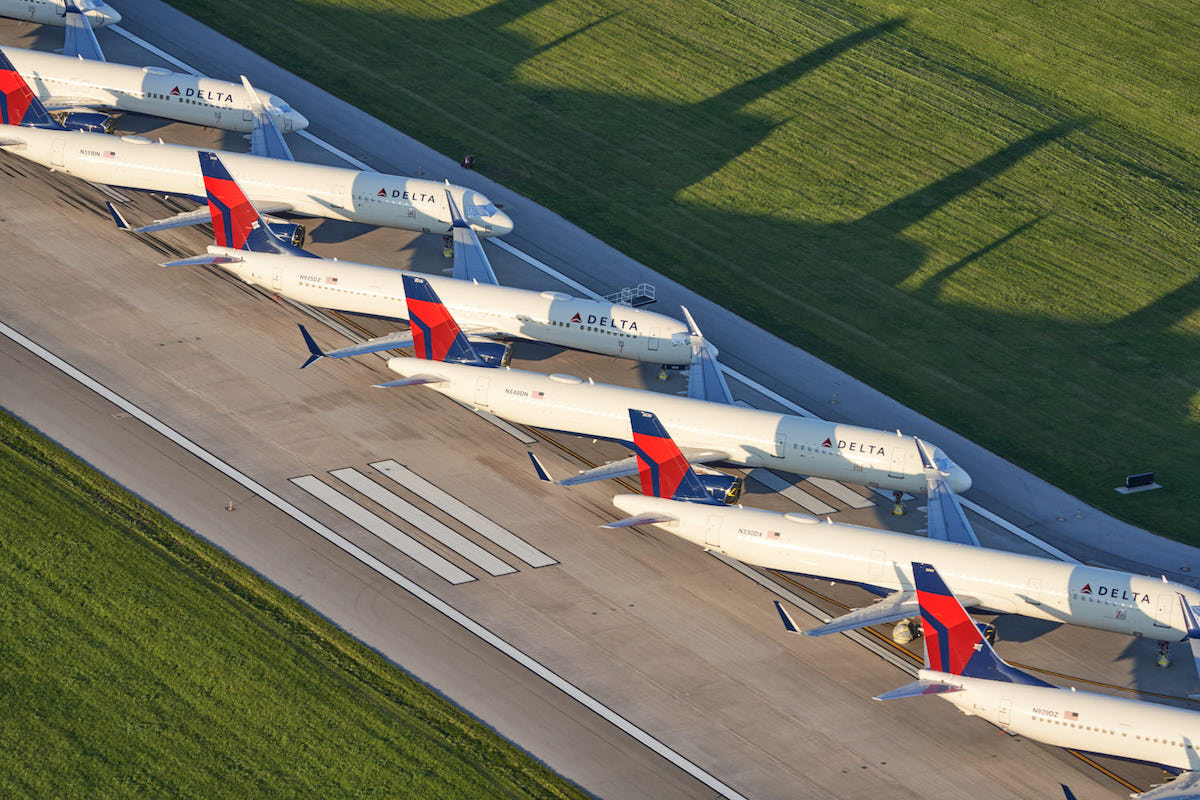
column 495, row 354
column 86, row 121
column 289, row 232
column 723, row 489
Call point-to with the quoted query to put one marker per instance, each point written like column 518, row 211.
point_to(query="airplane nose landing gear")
column 1164, row 655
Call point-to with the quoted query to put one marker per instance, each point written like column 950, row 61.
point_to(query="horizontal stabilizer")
column 946, row 518
column 629, row 466
column 1184, row 787
column 11, row 141
column 65, row 103
column 200, row 261
column 392, row 341
column 640, row 519
column 470, row 262
column 919, row 689
column 892, row 608
column 415, row 380
column 182, row 220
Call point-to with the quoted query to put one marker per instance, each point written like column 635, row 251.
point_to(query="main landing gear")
column 1164, row 655
column 898, row 507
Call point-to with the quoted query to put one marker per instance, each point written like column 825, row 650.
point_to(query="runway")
column 679, row 643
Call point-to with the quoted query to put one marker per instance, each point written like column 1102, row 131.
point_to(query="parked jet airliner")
column 708, row 432
column 276, row 186
column 962, row 668
column 246, row 247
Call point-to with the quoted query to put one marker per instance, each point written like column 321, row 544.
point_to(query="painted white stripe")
column 800, row 497
column 418, row 518
column 389, row 533
column 370, row 561
column 755, row 385
column 344, row 156
column 464, row 513
column 841, row 492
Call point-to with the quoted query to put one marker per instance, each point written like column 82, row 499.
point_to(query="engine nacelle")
column 87, row 121
column 289, row 232
column 723, row 489
column 494, row 354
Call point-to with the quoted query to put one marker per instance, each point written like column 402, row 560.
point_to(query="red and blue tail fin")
column 954, row 644
column 436, row 336
column 18, row 104
column 236, row 222
column 661, row 465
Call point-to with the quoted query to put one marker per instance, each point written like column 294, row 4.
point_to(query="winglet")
column 539, row 469
column 789, row 624
column 118, row 217
column 315, row 352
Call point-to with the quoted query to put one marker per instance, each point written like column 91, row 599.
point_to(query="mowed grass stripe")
column 989, row 214
column 140, row 661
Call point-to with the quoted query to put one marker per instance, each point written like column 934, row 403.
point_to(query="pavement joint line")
column 546, row 268
column 795, row 599
column 425, row 596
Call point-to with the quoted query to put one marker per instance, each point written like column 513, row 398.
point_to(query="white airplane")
column 246, row 247
column 78, row 91
column 994, row 580
column 708, row 432
column 275, row 185
column 54, row 12
column 962, row 668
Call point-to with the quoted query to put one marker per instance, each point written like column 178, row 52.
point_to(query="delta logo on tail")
column 233, row 216
column 661, row 466
column 434, row 330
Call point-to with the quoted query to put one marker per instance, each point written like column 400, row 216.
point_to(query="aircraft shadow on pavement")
column 1014, row 628
column 335, row 231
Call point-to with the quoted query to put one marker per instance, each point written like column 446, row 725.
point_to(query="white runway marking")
column 419, row 519
column 381, row 528
column 464, row 514
column 800, row 497
column 841, row 492
column 373, row 563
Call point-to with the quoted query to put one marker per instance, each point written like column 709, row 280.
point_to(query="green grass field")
column 139, row 661
column 987, row 211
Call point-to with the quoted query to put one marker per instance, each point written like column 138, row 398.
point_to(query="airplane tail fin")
column 437, row 337
column 954, row 644
column 236, row 222
column 18, row 104
column 662, row 467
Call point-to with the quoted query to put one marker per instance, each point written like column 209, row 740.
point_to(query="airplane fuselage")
column 1118, row 726
column 520, row 313
column 312, row 190
column 53, row 12
column 147, row 90
column 1004, row 582
column 750, row 437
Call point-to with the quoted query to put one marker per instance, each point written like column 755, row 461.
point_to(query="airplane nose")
column 497, row 224
column 296, row 121
column 103, row 15
column 959, row 480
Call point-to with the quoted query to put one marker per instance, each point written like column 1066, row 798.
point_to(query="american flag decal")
column 538, row 395
column 1070, row 715
column 331, row 279
column 110, row 154
column 773, row 534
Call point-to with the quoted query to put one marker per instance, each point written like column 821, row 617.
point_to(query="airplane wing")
column 1184, row 787
column 415, row 380
column 1190, row 622
column 629, row 466
column 946, row 518
column 185, row 218
column 893, row 608
column 705, row 379
column 81, row 40
column 470, row 262
column 392, row 341
column 204, row 260
column 265, row 138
